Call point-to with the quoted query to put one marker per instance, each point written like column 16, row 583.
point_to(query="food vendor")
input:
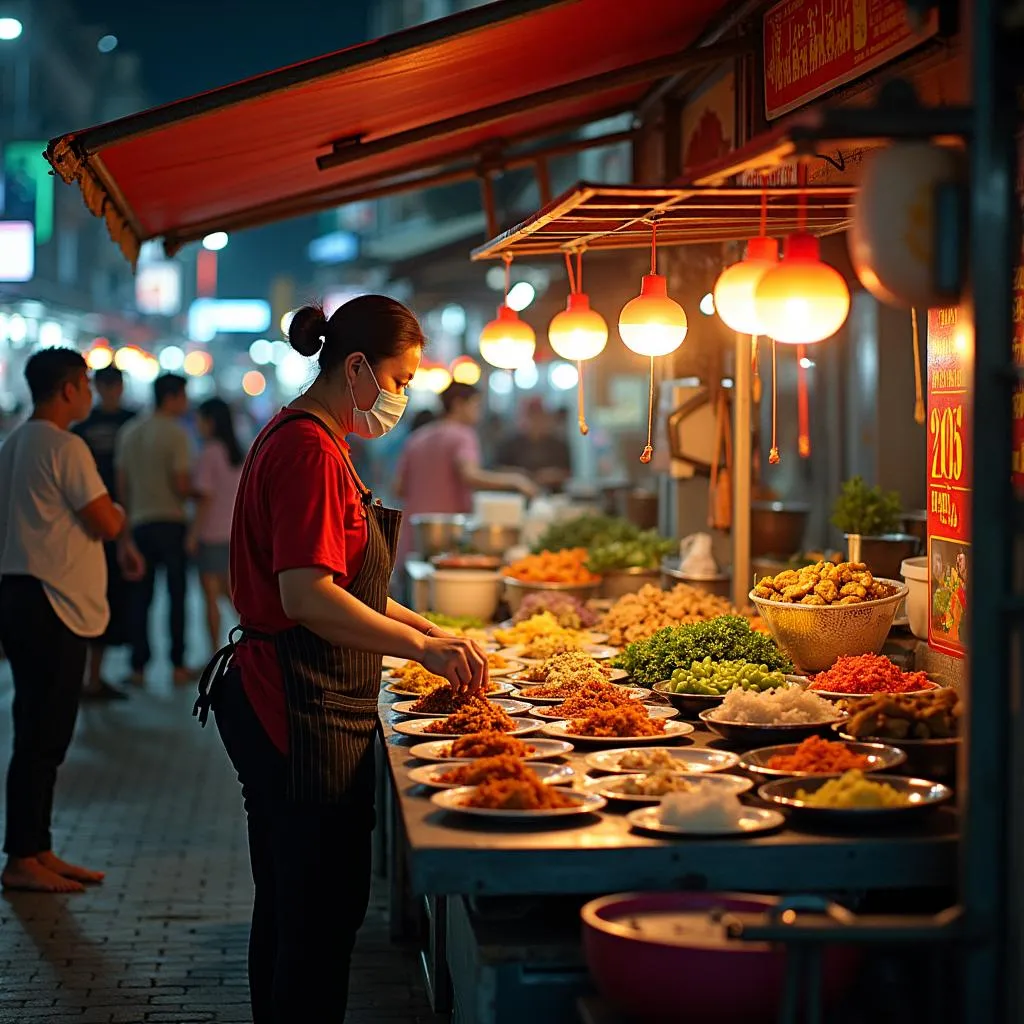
column 294, row 693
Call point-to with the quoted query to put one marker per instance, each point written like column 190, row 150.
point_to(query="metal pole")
column 987, row 807
column 741, row 472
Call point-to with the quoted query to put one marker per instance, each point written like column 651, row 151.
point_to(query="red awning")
column 356, row 123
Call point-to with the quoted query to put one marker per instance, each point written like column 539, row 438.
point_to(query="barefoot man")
column 55, row 514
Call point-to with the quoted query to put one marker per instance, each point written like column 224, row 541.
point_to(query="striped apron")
column 330, row 692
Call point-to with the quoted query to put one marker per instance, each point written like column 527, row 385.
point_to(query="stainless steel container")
column 436, row 534
column 883, row 555
column 620, row 582
column 777, row 528
column 719, row 584
column 492, row 538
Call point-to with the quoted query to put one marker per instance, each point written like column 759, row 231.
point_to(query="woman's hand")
column 458, row 660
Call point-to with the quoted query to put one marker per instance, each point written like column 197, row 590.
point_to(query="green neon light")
column 27, row 158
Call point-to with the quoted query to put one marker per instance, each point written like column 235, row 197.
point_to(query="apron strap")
column 214, row 672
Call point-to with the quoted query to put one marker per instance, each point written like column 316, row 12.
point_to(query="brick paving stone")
column 150, row 798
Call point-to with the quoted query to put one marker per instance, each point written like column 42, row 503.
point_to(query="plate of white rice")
column 786, row 711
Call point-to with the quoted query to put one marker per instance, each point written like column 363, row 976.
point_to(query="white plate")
column 512, row 666
column 418, row 727
column 390, row 662
column 673, row 730
column 597, row 651
column 511, row 707
column 607, row 786
column 440, row 750
column 616, row 675
column 523, row 693
column 428, row 774
column 452, row 800
column 754, row 819
column 400, row 691
column 652, row 712
column 692, row 760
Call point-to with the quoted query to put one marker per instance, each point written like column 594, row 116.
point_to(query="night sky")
column 189, row 46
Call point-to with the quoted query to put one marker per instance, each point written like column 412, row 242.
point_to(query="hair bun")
column 307, row 329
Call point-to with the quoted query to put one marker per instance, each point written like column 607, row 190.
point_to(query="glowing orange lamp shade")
column 802, row 300
column 579, row 332
column 736, row 286
column 507, row 342
column 652, row 324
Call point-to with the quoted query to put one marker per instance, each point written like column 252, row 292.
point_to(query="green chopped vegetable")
column 725, row 638
column 716, row 678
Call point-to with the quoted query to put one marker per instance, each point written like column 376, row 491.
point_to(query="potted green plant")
column 871, row 518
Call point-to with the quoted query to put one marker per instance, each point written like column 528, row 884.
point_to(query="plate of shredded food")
column 780, row 715
column 426, row 708
column 569, row 709
column 816, row 757
column 493, row 688
column 476, row 715
column 489, row 744
column 548, row 694
column 866, row 674
column 611, row 725
column 688, row 760
column 854, row 798
column 567, row 667
column 452, row 774
column 517, row 800
column 705, row 811
column 651, row 787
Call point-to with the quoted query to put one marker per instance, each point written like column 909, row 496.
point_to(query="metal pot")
column 492, row 538
column 777, row 528
column 883, row 555
column 619, row 582
column 916, row 524
column 719, row 584
column 436, row 534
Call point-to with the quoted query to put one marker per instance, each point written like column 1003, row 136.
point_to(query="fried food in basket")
column 502, row 766
column 476, row 715
column 522, row 794
column 625, row 722
column 640, row 615
column 488, row 744
column 824, row 583
column 894, row 716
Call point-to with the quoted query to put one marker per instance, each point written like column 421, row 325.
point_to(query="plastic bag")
column 695, row 557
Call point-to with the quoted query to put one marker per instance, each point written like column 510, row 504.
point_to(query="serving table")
column 451, row 863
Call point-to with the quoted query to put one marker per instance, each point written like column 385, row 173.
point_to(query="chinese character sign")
column 1018, row 342
column 950, row 387
column 814, row 46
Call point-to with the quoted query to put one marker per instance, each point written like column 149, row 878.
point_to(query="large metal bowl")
column 814, row 636
column 776, row 527
column 619, row 582
column 516, row 590
column 492, row 538
column 930, row 759
column 437, row 534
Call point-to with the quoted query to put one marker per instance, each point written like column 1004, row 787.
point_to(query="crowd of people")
column 97, row 499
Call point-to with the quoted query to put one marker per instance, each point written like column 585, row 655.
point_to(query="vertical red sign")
column 950, row 388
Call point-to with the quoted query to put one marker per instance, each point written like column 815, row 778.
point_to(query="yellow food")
column 541, row 624
column 853, row 790
column 550, row 644
column 823, row 583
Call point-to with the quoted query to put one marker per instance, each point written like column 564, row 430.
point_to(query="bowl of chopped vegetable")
column 704, row 684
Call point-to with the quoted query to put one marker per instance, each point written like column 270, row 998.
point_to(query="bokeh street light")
column 215, row 241
column 10, row 29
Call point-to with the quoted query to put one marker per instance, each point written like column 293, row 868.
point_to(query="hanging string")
column 773, row 454
column 803, row 412
column 575, row 287
column 918, row 391
column 581, row 407
column 755, row 371
column 764, row 206
column 507, row 257
column 654, row 246
column 573, row 280
column 579, row 270
column 802, row 199
column 649, row 450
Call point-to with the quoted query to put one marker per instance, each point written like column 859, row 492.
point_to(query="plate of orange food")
column 415, row 708
column 610, row 726
column 816, row 757
column 474, row 746
column 452, row 774
column 524, row 798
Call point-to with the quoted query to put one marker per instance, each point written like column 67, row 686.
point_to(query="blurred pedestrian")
column 99, row 430
column 440, row 467
column 154, row 461
column 422, row 419
column 217, row 473
column 55, row 514
column 538, row 449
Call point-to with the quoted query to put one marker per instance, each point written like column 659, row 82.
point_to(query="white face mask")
column 382, row 416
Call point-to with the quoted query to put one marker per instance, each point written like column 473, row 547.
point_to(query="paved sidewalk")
column 150, row 798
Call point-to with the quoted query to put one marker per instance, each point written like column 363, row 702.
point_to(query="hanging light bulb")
column 736, row 285
column 579, row 332
column 652, row 324
column 507, row 342
column 802, row 300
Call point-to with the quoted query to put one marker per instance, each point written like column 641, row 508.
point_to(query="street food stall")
column 751, row 766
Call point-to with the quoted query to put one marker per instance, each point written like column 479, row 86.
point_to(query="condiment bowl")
column 759, row 735
column 931, row 759
column 881, row 758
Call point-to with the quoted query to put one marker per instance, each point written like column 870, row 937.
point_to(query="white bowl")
column 465, row 593
column 915, row 572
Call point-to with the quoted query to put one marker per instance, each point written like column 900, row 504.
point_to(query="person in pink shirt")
column 217, row 473
column 440, row 466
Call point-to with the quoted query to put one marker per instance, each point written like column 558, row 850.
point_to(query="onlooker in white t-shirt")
column 55, row 513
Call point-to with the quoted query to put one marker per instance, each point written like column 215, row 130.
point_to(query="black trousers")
column 311, row 873
column 162, row 545
column 47, row 662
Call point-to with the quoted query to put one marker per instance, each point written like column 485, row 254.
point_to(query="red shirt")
column 298, row 508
